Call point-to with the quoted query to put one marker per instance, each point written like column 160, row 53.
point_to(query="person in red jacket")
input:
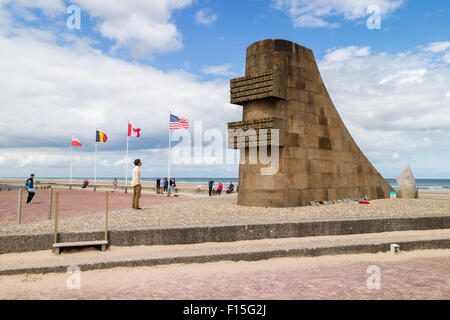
column 219, row 188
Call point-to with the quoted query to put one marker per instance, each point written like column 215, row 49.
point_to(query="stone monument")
column 407, row 183
column 282, row 91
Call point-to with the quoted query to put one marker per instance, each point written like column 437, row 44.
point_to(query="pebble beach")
column 223, row 210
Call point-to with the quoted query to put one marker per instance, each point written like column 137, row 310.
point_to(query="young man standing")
column 30, row 188
column 136, row 184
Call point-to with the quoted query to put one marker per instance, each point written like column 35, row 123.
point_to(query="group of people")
column 162, row 185
column 218, row 191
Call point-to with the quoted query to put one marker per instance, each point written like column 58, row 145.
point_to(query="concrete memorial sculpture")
column 407, row 183
column 286, row 107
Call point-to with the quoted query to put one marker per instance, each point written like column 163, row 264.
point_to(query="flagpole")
column 126, row 164
column 95, row 167
column 71, row 155
column 168, row 189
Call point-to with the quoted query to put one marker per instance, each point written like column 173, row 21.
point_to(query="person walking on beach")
column 136, row 184
column 29, row 185
column 166, row 184
column 115, row 183
column 210, row 186
column 158, row 181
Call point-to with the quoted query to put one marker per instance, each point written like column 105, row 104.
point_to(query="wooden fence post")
column 106, row 215
column 19, row 207
column 50, row 203
column 56, row 217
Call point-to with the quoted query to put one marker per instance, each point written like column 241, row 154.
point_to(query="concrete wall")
column 136, row 237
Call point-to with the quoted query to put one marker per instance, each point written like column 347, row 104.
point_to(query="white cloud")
column 390, row 103
column 405, row 77
column 447, row 58
column 142, row 27
column 205, row 17
column 346, row 53
column 306, row 13
column 437, row 46
column 222, row 70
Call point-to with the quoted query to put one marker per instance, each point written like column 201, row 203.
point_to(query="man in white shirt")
column 136, row 184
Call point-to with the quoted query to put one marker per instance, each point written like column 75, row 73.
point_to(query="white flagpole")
column 95, row 166
column 71, row 155
column 168, row 189
column 126, row 164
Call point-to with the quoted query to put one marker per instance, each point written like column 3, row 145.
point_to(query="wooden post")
column 56, row 217
column 106, row 215
column 19, row 207
column 50, row 203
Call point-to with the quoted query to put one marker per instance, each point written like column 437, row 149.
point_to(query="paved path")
column 71, row 203
column 408, row 275
column 92, row 258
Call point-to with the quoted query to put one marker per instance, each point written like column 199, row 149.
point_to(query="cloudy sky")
column 136, row 60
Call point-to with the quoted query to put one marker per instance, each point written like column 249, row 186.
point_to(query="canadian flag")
column 133, row 132
column 76, row 142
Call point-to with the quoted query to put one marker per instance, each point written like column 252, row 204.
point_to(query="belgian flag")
column 100, row 136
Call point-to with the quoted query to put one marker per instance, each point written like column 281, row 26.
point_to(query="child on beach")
column 29, row 185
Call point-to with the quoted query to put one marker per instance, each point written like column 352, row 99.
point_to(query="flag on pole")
column 100, row 136
column 133, row 132
column 177, row 122
column 76, row 142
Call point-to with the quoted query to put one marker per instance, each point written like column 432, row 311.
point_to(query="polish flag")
column 76, row 142
column 133, row 132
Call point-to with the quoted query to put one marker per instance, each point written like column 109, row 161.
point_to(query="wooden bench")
column 58, row 246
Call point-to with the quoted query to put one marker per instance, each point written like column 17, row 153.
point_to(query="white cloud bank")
column 306, row 13
column 142, row 27
column 392, row 104
column 57, row 92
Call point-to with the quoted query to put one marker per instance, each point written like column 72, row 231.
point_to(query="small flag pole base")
column 95, row 188
column 126, row 189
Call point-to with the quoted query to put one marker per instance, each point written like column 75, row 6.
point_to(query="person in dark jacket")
column 230, row 187
column 158, row 182
column 30, row 188
column 166, row 184
column 210, row 186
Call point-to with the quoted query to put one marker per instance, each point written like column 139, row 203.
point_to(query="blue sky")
column 136, row 60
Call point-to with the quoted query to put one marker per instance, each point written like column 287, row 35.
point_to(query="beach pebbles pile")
column 223, row 210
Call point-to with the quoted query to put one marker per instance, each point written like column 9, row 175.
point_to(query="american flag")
column 178, row 122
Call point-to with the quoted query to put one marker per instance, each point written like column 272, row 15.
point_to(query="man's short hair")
column 32, row 174
column 137, row 161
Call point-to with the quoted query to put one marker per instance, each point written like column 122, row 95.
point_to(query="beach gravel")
column 223, row 210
